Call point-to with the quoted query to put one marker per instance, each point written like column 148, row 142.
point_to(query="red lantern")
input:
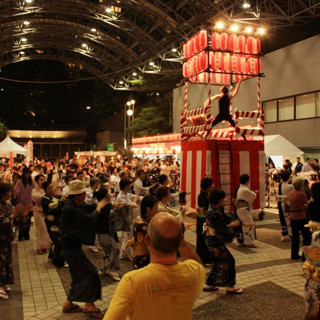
column 222, row 78
column 185, row 54
column 253, row 45
column 253, row 65
column 193, row 79
column 196, row 40
column 203, row 61
column 195, row 64
column 189, row 48
column 216, row 61
column 215, row 41
column 242, row 66
column 225, row 62
column 242, row 43
column 205, row 77
column 233, row 43
column 203, row 36
column 234, row 62
column 224, row 41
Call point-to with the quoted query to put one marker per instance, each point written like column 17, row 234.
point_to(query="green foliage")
column 153, row 119
column 3, row 131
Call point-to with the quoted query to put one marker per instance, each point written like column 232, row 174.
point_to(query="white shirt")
column 125, row 197
column 244, row 193
column 305, row 167
column 139, row 189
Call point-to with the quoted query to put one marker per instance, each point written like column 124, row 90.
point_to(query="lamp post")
column 128, row 117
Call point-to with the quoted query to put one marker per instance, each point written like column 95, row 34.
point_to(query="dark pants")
column 220, row 117
column 85, row 285
column 283, row 222
column 297, row 227
column 201, row 247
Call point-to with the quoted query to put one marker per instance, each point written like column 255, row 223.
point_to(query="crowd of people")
column 131, row 209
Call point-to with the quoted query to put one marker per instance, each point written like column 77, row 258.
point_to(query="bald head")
column 165, row 233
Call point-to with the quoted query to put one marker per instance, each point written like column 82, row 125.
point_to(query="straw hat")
column 76, row 187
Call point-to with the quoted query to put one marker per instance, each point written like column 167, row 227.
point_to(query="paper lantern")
column 222, row 78
column 224, row 41
column 195, row 64
column 216, row 61
column 242, row 43
column 185, row 54
column 253, row 65
column 187, row 69
column 225, row 62
column 234, row 62
column 215, row 41
column 205, row 77
column 203, row 38
column 253, row 45
column 233, row 43
column 203, row 61
column 193, row 79
column 197, row 43
column 242, row 65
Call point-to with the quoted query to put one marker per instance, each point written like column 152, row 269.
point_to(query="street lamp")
column 128, row 117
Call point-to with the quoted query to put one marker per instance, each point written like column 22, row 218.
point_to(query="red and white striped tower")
column 260, row 110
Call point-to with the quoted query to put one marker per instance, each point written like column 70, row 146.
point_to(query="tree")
column 3, row 131
column 153, row 119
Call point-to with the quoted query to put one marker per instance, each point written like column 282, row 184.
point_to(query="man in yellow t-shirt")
column 165, row 289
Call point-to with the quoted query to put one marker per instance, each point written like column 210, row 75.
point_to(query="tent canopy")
column 277, row 145
column 8, row 145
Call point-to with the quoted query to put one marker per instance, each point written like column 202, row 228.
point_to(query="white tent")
column 8, row 145
column 279, row 148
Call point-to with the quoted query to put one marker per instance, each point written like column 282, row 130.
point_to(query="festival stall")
column 10, row 149
column 159, row 145
column 221, row 58
column 82, row 156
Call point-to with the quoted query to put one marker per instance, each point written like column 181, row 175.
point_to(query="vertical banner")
column 11, row 159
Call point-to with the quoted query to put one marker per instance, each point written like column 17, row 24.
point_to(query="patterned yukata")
column 223, row 270
column 6, row 237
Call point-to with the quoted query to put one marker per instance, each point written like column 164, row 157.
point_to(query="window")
column 270, row 111
column 286, row 109
column 305, row 106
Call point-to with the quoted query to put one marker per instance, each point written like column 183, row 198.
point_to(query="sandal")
column 236, row 291
column 74, row 309
column 94, row 314
column 210, row 288
column 3, row 295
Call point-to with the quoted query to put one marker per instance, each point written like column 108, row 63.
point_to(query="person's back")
column 165, row 289
column 159, row 292
column 224, row 103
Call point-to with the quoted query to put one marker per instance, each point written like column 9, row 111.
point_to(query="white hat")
column 76, row 187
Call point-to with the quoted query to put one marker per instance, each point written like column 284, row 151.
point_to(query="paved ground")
column 273, row 285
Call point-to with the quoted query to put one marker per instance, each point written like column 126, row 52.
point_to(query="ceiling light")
column 22, row 52
column 134, row 74
column 26, row 23
column 93, row 30
column 151, row 63
column 174, row 50
column 234, row 28
column 121, row 82
column 261, row 31
column 248, row 30
column 84, row 45
column 28, row 1
column 246, row 4
column 108, row 10
column 24, row 39
column 88, row 107
column 219, row 25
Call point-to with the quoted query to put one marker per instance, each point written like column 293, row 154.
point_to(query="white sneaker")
column 94, row 249
column 285, row 238
column 114, row 275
